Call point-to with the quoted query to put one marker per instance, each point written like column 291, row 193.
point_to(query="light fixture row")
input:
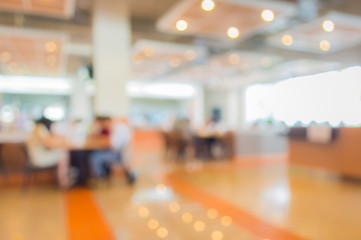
column 287, row 40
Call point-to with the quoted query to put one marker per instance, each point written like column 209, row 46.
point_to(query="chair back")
column 13, row 157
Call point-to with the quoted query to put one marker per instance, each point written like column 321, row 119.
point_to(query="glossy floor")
column 250, row 198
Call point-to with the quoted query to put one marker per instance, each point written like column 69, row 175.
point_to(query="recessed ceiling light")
column 325, row 45
column 328, row 25
column 181, row 25
column 267, row 15
column 175, row 62
column 208, row 5
column 5, row 57
column 233, row 32
column 148, row 51
column 51, row 46
column 287, row 40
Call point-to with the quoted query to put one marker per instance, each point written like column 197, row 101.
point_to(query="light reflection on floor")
column 306, row 206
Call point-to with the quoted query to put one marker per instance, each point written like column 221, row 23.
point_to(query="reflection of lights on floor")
column 199, row 226
column 161, row 188
column 212, row 213
column 217, row 235
column 153, row 224
column 174, row 207
column 187, row 217
column 226, row 221
column 143, row 212
column 162, row 232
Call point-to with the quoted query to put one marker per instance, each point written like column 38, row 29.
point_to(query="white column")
column 198, row 108
column 233, row 109
column 111, row 56
column 80, row 103
column 242, row 108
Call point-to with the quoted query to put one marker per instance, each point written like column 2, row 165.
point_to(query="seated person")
column 119, row 138
column 45, row 151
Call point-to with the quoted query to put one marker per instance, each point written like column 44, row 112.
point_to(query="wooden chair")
column 15, row 160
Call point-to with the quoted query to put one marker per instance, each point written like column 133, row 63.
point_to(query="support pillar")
column 111, row 56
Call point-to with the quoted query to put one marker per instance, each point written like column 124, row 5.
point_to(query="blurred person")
column 119, row 137
column 101, row 127
column 47, row 150
column 184, row 138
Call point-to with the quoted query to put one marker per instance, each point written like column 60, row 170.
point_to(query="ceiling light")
column 175, row 62
column 148, row 51
column 5, row 57
column 268, row 15
column 328, row 26
column 181, row 25
column 233, row 32
column 208, row 5
column 51, row 46
column 287, row 40
column 325, row 45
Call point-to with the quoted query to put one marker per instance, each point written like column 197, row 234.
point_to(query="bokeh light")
column 267, row 15
column 217, row 235
column 199, row 226
column 328, row 26
column 162, row 232
column 174, row 207
column 226, row 221
column 233, row 32
column 181, row 25
column 325, row 45
column 153, row 224
column 143, row 212
column 187, row 217
column 212, row 213
column 208, row 5
column 148, row 51
column 51, row 46
column 287, row 40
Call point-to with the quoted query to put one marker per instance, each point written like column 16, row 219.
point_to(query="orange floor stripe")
column 85, row 220
column 240, row 217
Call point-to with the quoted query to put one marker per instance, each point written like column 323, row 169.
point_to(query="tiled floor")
column 252, row 198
